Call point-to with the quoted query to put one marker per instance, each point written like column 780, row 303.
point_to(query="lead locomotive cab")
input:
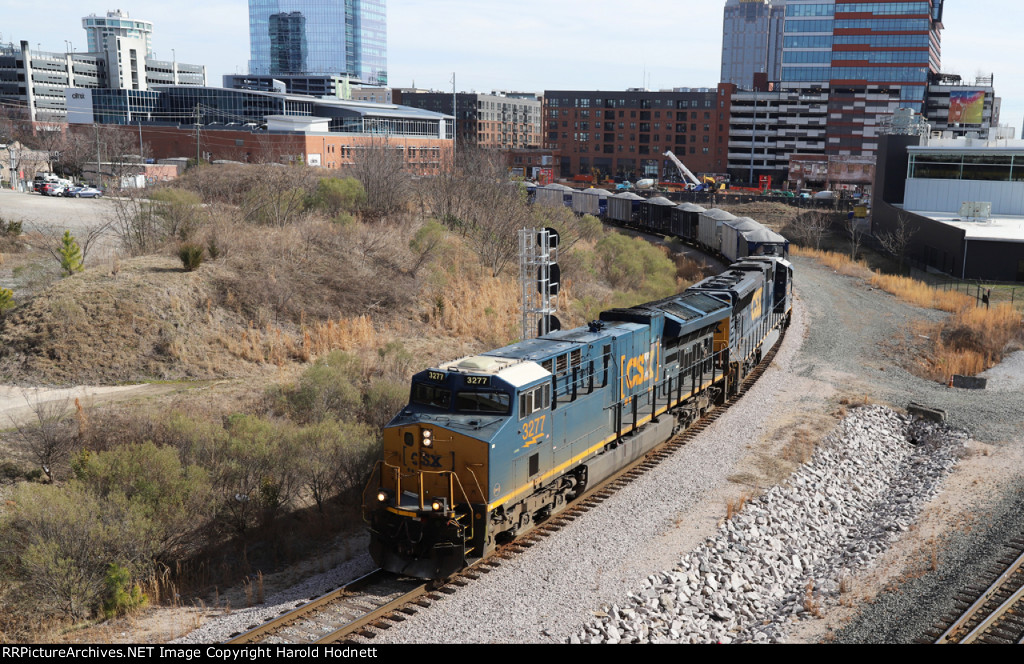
column 432, row 485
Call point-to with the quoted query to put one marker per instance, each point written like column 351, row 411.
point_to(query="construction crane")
column 699, row 185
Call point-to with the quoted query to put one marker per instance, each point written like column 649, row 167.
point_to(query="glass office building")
column 851, row 63
column 339, row 37
column 751, row 40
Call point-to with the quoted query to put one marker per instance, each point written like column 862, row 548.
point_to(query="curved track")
column 379, row 600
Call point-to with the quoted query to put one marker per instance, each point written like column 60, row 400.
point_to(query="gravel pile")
column 789, row 550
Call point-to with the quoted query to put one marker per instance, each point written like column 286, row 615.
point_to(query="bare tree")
column 52, row 435
column 898, row 239
column 134, row 222
column 279, row 195
column 855, row 232
column 445, row 195
column 51, row 138
column 810, row 227
column 380, row 167
column 78, row 149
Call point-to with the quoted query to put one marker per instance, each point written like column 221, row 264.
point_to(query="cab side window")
column 534, row 399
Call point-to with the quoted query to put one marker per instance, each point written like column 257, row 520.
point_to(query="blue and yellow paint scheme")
column 492, row 444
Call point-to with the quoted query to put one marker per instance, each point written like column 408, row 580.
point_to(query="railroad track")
column 343, row 611
column 991, row 612
column 380, row 600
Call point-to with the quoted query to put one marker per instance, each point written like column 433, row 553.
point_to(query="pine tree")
column 6, row 300
column 70, row 255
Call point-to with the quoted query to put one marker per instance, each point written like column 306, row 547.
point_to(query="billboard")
column 79, row 105
column 966, row 106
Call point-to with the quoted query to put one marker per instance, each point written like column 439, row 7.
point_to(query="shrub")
column 173, row 497
column 61, row 540
column 191, row 256
column 383, row 399
column 10, row 228
column 337, row 457
column 178, row 211
column 339, row 195
column 259, row 470
column 329, row 388
column 277, row 207
column 9, row 471
column 636, row 265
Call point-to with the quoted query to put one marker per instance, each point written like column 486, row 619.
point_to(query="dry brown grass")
column 811, row 603
column 464, row 300
column 841, row 263
column 689, row 271
column 921, row 294
column 735, row 505
column 801, row 446
column 970, row 341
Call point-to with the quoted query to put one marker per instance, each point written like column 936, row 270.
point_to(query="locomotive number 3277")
column 533, row 431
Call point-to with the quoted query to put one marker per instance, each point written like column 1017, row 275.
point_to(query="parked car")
column 71, row 191
column 51, row 189
column 88, row 192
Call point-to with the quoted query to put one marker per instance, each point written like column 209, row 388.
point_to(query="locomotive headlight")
column 437, row 505
column 383, row 495
column 427, row 438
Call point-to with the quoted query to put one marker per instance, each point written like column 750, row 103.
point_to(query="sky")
column 526, row 45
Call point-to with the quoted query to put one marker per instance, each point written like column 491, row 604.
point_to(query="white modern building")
column 119, row 57
column 126, row 43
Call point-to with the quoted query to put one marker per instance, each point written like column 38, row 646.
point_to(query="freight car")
column 492, row 444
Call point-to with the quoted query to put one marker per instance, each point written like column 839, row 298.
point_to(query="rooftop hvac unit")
column 976, row 211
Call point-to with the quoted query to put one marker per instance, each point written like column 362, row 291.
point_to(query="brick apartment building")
column 500, row 120
column 626, row 133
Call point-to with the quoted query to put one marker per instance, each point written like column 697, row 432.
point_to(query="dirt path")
column 17, row 403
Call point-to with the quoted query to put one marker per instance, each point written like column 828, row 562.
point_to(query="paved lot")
column 55, row 214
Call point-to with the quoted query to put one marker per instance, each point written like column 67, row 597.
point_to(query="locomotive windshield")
column 494, row 403
column 426, row 394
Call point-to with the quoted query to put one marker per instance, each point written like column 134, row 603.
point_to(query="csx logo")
column 426, row 460
column 755, row 305
column 637, row 370
column 533, row 431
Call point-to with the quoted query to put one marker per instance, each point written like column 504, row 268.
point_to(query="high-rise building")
column 308, row 37
column 288, row 47
column 752, row 40
column 846, row 66
column 102, row 30
column 868, row 59
column 125, row 42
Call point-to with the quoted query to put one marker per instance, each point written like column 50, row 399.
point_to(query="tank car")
column 492, row 444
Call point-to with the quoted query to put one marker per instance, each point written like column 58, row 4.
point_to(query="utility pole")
column 12, row 151
column 99, row 167
column 455, row 119
column 197, row 134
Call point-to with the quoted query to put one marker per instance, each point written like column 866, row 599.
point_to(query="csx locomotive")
column 492, row 444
